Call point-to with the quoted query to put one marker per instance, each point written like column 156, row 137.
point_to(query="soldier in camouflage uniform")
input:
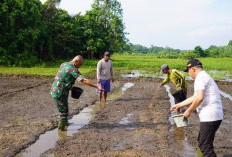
column 64, row 81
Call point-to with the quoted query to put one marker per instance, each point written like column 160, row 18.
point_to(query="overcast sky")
column 181, row 24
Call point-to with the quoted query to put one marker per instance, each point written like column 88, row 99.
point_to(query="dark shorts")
column 105, row 84
column 179, row 96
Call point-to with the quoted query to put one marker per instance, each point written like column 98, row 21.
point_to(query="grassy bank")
column 125, row 63
column 49, row 69
column 149, row 62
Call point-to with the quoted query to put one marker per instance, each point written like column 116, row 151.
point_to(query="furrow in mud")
column 134, row 124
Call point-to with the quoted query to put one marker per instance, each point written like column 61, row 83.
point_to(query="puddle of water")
column 172, row 102
column 216, row 74
column 188, row 149
column 48, row 140
column 226, row 95
column 184, row 148
column 119, row 91
column 83, row 118
column 158, row 75
column 179, row 137
column 135, row 74
column 228, row 80
column 127, row 86
column 125, row 120
column 115, row 94
column 140, row 73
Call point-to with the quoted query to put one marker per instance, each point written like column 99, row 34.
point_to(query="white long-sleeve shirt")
column 105, row 70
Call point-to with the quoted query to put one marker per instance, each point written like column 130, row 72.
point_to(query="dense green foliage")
column 212, row 51
column 32, row 32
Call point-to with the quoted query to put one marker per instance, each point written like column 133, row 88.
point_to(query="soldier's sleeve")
column 80, row 78
column 77, row 75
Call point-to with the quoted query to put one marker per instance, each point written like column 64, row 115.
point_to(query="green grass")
column 39, row 71
column 149, row 64
column 50, row 69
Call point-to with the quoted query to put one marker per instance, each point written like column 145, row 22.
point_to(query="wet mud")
column 135, row 122
column 28, row 110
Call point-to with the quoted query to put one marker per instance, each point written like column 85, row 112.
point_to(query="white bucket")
column 179, row 120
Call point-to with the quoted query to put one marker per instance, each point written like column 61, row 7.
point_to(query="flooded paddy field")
column 135, row 121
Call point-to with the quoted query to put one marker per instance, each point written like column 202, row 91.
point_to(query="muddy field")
column 133, row 123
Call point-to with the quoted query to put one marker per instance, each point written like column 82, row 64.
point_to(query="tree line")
column 167, row 52
column 32, row 32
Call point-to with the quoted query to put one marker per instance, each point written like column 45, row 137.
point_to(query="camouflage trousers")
column 62, row 106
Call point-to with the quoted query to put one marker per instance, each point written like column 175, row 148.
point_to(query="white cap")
column 164, row 66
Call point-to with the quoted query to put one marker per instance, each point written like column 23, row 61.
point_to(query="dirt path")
column 134, row 124
column 27, row 110
column 137, row 125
